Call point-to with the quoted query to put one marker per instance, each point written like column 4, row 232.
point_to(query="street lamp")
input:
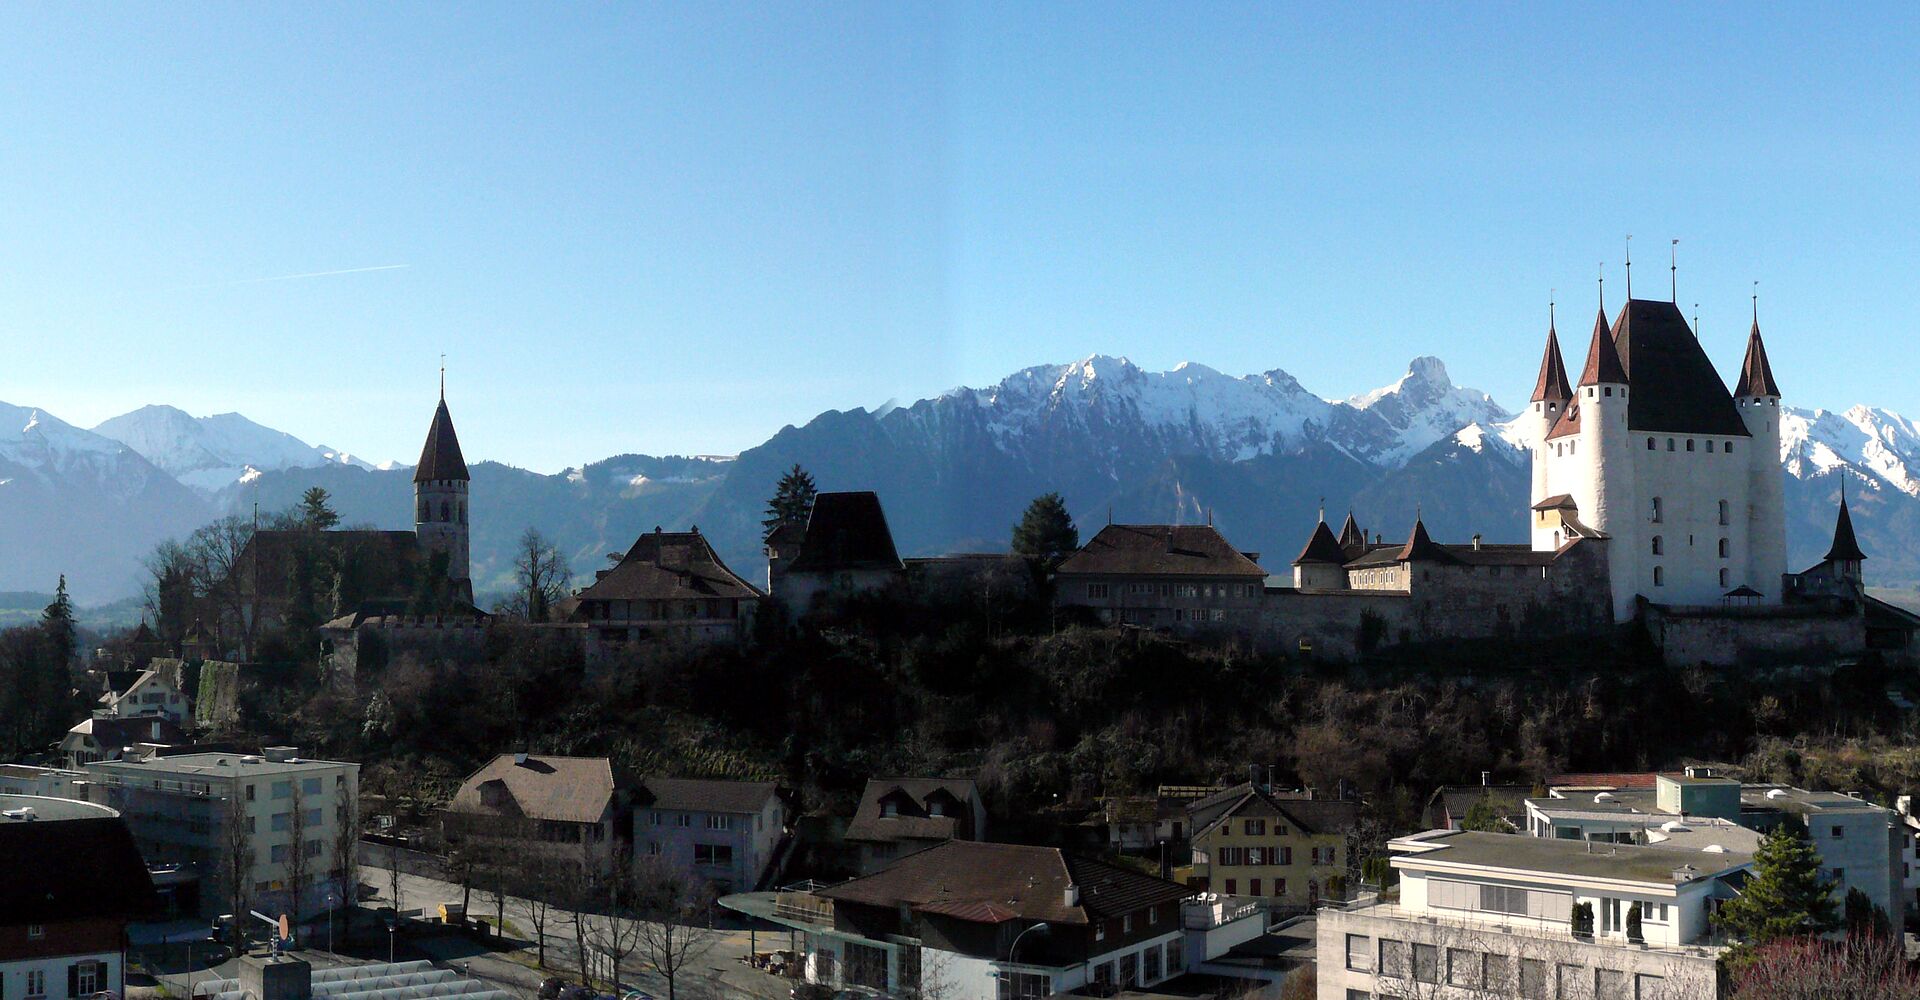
column 331, row 901
column 1014, row 948
column 392, row 925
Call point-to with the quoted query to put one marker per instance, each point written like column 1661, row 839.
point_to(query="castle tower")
column 1600, row 456
column 1845, row 555
column 1551, row 396
column 1758, row 398
column 440, row 499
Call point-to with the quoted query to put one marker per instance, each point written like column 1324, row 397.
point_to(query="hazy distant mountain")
column 1260, row 454
column 212, row 453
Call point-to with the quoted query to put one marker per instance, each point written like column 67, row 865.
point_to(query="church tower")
column 1758, row 398
column 440, row 499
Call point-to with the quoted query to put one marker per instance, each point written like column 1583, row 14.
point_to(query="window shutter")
column 73, row 980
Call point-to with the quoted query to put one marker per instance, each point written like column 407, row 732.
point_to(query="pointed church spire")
column 1420, row 546
column 1845, row 548
column 440, row 458
column 1350, row 533
column 1321, row 548
column 1552, row 384
column 1603, row 357
column 1756, row 375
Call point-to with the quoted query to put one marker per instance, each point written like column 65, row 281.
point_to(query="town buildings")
column 845, row 548
column 669, row 585
column 899, row 816
column 150, row 692
column 1185, row 578
column 109, row 738
column 265, row 831
column 71, row 879
column 1287, row 849
column 1489, row 914
column 565, row 810
column 726, row 833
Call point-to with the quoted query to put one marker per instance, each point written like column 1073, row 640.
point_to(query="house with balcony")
column 1861, row 845
column 1282, row 847
column 150, row 692
column 727, row 833
column 670, row 585
column 973, row 921
column 1492, row 914
column 71, row 878
column 570, row 810
column 899, row 816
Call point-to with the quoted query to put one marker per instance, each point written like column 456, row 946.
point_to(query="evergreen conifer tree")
column 314, row 512
column 792, row 502
column 1786, row 897
column 1046, row 534
column 57, row 621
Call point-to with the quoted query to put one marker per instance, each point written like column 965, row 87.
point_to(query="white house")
column 726, row 832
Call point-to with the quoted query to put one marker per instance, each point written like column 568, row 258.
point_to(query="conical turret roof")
column 1552, row 386
column 1603, row 357
column 441, row 458
column 1321, row 548
column 1350, row 533
column 1422, row 547
column 1845, row 548
column 1756, row 375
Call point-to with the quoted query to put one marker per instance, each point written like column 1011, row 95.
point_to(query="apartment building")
column 259, row 831
column 1279, row 846
column 1488, row 914
column 70, row 880
column 725, row 832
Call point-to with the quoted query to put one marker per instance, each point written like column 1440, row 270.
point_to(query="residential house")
column 565, row 809
column 1186, row 578
column 1488, row 914
column 669, row 585
column 154, row 691
column 1146, row 823
column 71, row 878
column 281, row 822
column 1861, row 845
column 108, row 738
column 1283, row 847
column 1447, row 808
column 966, row 920
column 899, row 816
column 845, row 548
column 726, row 832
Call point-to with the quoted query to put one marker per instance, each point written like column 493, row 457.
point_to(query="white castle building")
column 1652, row 452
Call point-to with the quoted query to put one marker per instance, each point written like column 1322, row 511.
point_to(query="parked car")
column 633, row 994
column 550, row 988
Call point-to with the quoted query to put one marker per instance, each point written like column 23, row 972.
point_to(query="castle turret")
column 1844, row 555
column 1321, row 565
column 440, row 500
column 1758, row 398
column 1604, row 458
column 1551, row 396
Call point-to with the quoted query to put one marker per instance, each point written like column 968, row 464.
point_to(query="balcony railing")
column 1483, row 922
column 804, row 907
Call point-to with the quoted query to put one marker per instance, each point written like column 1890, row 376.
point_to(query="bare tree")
column 346, row 858
column 672, row 906
column 299, row 864
column 219, row 555
column 615, row 932
column 534, row 882
column 236, row 859
column 542, row 575
column 393, row 873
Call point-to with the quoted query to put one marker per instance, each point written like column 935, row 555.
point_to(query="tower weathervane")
column 1673, row 272
column 443, row 376
column 1629, row 267
column 1603, row 286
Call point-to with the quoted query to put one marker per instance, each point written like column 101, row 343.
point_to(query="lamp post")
column 392, row 925
column 1014, row 948
column 332, row 900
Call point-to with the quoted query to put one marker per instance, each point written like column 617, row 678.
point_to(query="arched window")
column 1709, row 447
column 1659, row 576
column 1724, row 577
column 1649, row 444
column 1724, row 516
column 1723, row 548
column 1689, row 444
column 1656, row 545
column 445, row 511
column 1669, row 444
column 1657, row 510
column 1729, row 448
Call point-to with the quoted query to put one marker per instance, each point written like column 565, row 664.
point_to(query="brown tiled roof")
column 1160, row 550
column 1675, row 388
column 1603, row 356
column 1351, row 537
column 1552, row 384
column 706, row 795
column 1499, row 555
column 1310, row 816
column 668, row 565
column 1569, row 422
column 1609, row 779
column 993, row 883
column 116, row 733
column 846, row 531
column 1756, row 375
column 913, row 822
column 75, row 869
column 1322, row 547
column 1421, row 547
column 440, row 458
column 1557, row 501
column 563, row 789
column 1845, row 548
column 1509, row 801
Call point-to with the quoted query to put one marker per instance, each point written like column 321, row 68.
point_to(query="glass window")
column 282, row 821
column 1359, row 953
column 1609, row 984
column 713, row 854
column 1646, row 987
column 1569, row 983
column 36, row 982
column 1130, row 969
column 1176, row 957
column 1533, row 979
column 1022, row 985
column 1395, row 958
column 1463, row 967
column 1659, row 576
column 1426, row 963
column 1657, row 545
column 1499, row 974
column 1151, row 957
column 283, row 789
column 1657, row 510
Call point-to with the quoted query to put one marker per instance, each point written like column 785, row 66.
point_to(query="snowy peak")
column 1878, row 442
column 211, row 453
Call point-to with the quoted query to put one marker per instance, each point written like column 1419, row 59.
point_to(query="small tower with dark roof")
column 440, row 499
column 1604, row 453
column 1844, row 554
column 1551, row 397
column 1320, row 566
column 1758, row 398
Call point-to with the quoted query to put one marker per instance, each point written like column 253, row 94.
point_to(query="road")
column 719, row 972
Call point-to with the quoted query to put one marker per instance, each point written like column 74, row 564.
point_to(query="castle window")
column 1656, row 510
column 1729, row 448
column 1659, row 576
column 1723, row 514
column 1689, row 444
column 1608, row 391
column 1669, row 444
column 1723, row 578
column 1723, row 548
column 1656, row 545
column 1649, row 444
column 1572, row 446
column 421, row 515
column 445, row 515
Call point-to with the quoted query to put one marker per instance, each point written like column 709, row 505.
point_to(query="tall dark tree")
column 792, row 502
column 57, row 619
column 314, row 512
column 1046, row 533
column 1786, row 897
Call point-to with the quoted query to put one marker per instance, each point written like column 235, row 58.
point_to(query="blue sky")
column 676, row 228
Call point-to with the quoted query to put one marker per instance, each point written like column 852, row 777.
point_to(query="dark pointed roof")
column 440, row 459
column 1675, row 387
column 1603, row 357
column 1322, row 548
column 668, row 565
column 1422, row 547
column 1350, row 533
column 1552, row 385
column 1845, row 547
column 846, row 531
column 1756, row 376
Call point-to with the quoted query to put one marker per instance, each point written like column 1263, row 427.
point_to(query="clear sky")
column 674, row 228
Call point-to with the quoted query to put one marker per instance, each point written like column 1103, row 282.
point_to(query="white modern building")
column 1495, row 915
column 278, row 820
column 1652, row 451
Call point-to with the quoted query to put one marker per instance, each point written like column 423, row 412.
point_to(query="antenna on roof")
column 1673, row 272
column 1629, row 267
column 1550, row 304
column 1696, row 321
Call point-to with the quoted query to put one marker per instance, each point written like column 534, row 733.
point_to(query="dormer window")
column 889, row 809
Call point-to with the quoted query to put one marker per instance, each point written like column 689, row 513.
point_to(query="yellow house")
column 1279, row 846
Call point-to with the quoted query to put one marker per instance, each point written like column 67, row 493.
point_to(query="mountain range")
column 1259, row 454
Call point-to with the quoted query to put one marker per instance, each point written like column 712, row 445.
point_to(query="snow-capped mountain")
column 212, row 453
column 1863, row 438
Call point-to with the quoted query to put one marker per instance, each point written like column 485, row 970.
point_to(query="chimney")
column 1476, row 543
column 520, row 759
column 1071, row 897
column 1486, row 778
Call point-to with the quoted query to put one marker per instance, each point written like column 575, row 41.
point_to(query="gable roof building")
column 901, row 815
column 669, row 583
